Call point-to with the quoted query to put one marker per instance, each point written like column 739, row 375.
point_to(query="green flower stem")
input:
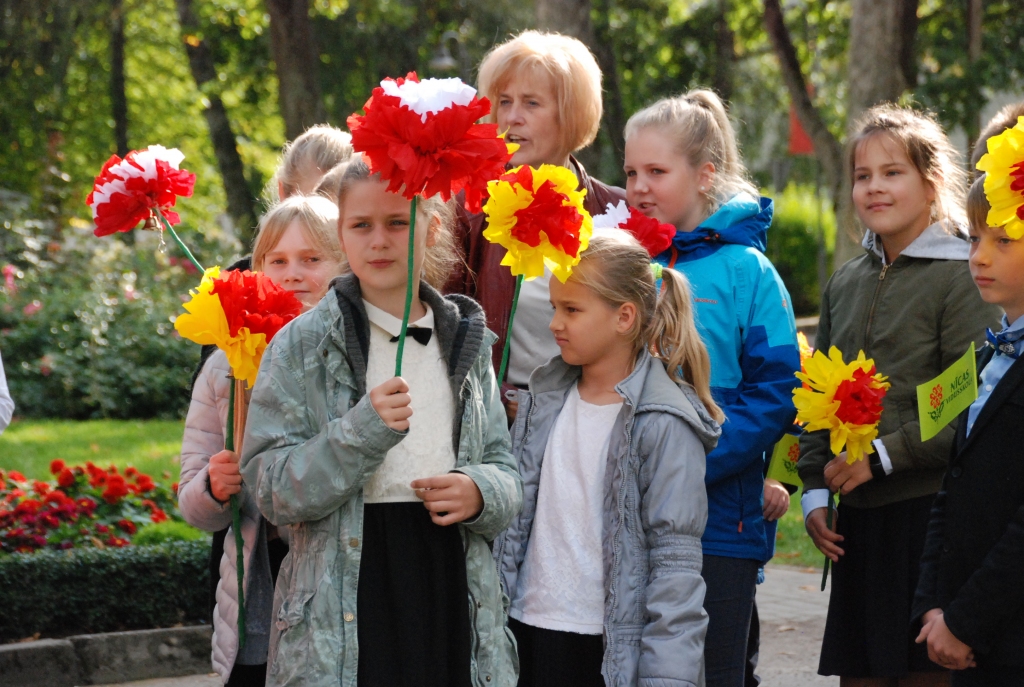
column 178, row 240
column 828, row 523
column 408, row 288
column 508, row 333
column 236, row 519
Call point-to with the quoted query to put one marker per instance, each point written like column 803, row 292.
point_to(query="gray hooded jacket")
column 655, row 509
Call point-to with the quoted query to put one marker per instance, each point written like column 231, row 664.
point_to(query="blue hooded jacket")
column 745, row 317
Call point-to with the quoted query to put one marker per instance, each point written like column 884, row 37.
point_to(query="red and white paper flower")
column 655, row 236
column 423, row 138
column 127, row 191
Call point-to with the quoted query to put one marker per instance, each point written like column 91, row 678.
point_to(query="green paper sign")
column 783, row 463
column 942, row 399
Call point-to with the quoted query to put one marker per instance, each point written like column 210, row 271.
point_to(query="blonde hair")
column 928, row 149
column 574, row 73
column 1005, row 119
column 313, row 153
column 318, row 218
column 978, row 205
column 441, row 257
column 618, row 269
column 699, row 127
column 331, row 183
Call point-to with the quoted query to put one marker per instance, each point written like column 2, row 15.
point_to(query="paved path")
column 792, row 611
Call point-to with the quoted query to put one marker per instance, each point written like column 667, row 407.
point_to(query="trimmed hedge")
column 83, row 591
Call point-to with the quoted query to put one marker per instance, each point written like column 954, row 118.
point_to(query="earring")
column 702, row 189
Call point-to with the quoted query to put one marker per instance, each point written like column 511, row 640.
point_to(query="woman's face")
column 300, row 267
column 527, row 112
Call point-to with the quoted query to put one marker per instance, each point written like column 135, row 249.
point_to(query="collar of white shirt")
column 393, row 325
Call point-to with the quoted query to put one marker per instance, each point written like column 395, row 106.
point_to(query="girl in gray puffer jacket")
column 603, row 565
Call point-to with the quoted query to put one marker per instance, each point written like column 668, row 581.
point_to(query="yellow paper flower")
column 844, row 398
column 538, row 216
column 1003, row 165
column 248, row 303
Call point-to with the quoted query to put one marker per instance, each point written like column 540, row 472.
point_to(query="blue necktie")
column 1004, row 340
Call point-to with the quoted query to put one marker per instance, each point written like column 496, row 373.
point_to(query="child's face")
column 586, row 328
column 997, row 265
column 661, row 182
column 891, row 197
column 527, row 109
column 300, row 267
column 374, row 233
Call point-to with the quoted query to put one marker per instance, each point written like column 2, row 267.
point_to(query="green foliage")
column 84, row 591
column 800, row 243
column 168, row 531
column 88, row 329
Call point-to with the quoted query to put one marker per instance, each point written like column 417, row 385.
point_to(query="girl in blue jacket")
column 683, row 168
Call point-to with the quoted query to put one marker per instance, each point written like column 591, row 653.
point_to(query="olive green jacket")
column 914, row 317
column 313, row 440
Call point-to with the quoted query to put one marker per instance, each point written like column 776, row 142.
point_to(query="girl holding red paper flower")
column 297, row 246
column 391, row 488
column 910, row 304
column 546, row 94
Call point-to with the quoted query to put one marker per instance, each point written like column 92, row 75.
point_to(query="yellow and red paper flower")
column 1003, row 165
column 127, row 191
column 239, row 312
column 844, row 398
column 423, row 138
column 653, row 235
column 538, row 216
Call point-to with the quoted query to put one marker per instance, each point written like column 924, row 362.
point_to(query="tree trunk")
column 725, row 54
column 118, row 99
column 603, row 47
column 293, row 44
column 882, row 36
column 241, row 203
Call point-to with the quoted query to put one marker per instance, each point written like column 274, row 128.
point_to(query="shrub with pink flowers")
column 83, row 506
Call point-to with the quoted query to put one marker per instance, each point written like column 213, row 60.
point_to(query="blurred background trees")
column 229, row 81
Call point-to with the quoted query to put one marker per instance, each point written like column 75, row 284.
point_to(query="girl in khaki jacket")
column 909, row 303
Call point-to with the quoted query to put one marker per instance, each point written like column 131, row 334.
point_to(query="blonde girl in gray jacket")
column 297, row 246
column 603, row 565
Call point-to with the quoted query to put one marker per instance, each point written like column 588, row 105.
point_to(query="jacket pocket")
column 293, row 610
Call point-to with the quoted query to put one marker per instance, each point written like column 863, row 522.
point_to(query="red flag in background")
column 799, row 142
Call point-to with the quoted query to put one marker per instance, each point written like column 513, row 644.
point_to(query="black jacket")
column 973, row 562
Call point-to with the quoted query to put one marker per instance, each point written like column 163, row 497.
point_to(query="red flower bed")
column 82, row 506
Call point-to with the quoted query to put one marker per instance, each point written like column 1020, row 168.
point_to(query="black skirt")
column 868, row 631
column 552, row 658
column 412, row 601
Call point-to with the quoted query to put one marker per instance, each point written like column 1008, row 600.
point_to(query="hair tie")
column 656, row 270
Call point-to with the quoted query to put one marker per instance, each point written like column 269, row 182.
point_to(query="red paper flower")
column 56, row 466
column 655, row 236
column 422, row 137
column 860, row 399
column 127, row 191
column 254, row 300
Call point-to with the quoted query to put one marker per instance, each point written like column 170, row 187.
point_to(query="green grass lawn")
column 793, row 546
column 152, row 446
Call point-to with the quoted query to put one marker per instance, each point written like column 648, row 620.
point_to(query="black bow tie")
column 421, row 334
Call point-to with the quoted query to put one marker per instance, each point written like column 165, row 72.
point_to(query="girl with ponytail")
column 683, row 168
column 603, row 564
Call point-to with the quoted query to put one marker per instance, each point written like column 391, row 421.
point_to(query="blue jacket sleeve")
column 761, row 408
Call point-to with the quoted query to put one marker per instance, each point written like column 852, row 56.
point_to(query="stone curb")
column 107, row 658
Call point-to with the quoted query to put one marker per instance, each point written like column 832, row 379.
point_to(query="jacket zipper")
column 616, row 556
column 871, row 312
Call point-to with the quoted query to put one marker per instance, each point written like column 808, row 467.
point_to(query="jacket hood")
column 934, row 243
column 648, row 388
column 743, row 220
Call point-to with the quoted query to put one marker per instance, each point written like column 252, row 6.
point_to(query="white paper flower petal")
column 616, row 216
column 431, row 95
